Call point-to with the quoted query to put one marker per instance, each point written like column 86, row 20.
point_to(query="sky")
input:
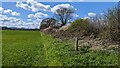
column 66, row 0
column 29, row 14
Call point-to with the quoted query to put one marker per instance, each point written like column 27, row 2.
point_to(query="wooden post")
column 76, row 44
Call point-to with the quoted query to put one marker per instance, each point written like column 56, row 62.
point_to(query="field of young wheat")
column 33, row 48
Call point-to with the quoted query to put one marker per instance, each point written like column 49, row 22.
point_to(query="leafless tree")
column 64, row 14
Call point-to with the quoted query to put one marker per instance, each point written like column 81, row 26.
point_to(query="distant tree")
column 47, row 22
column 64, row 14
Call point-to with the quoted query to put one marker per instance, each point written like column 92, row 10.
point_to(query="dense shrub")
column 84, row 27
column 79, row 25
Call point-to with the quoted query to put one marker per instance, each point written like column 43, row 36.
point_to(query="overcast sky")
column 28, row 14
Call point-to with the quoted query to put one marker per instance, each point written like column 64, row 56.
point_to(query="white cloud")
column 24, row 6
column 15, row 14
column 62, row 6
column 75, row 15
column 101, row 13
column 34, row 9
column 1, row 10
column 91, row 14
column 8, row 11
column 39, row 6
column 37, row 15
column 31, row 16
column 3, row 18
column 32, row 25
column 86, row 17
column 9, row 21
column 29, row 19
column 13, row 20
column 33, row 6
column 18, row 23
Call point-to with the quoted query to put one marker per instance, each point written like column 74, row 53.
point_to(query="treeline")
column 7, row 28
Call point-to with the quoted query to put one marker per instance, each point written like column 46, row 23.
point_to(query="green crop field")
column 32, row 48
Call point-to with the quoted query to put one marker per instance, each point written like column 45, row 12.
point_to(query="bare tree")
column 64, row 14
column 113, row 23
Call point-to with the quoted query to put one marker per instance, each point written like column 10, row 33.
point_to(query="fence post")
column 76, row 44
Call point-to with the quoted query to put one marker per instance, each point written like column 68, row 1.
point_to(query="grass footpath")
column 32, row 48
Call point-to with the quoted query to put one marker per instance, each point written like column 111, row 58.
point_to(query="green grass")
column 32, row 48
column 0, row 48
